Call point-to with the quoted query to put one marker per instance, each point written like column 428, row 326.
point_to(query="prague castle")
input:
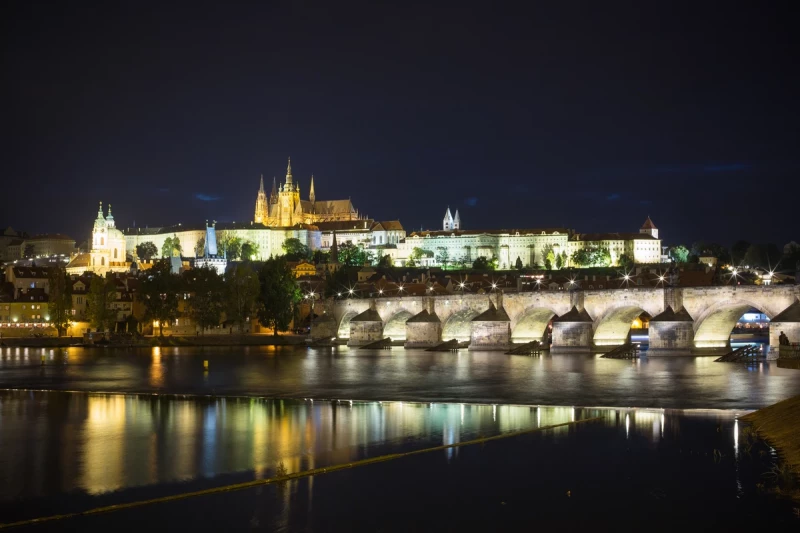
column 284, row 208
column 283, row 215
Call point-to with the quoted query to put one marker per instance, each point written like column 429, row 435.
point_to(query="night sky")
column 588, row 118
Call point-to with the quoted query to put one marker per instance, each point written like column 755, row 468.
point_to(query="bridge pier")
column 324, row 327
column 424, row 329
column 572, row 331
column 491, row 330
column 366, row 327
column 671, row 331
column 787, row 322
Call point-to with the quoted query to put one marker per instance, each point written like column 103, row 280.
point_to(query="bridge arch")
column 613, row 327
column 531, row 325
column 459, row 325
column 396, row 326
column 713, row 328
column 344, row 325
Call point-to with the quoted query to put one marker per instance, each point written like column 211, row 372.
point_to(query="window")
column 115, row 253
column 102, row 241
column 102, row 261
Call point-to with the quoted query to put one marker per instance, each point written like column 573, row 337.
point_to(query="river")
column 410, row 375
column 665, row 451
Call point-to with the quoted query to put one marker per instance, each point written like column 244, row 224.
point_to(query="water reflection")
column 54, row 442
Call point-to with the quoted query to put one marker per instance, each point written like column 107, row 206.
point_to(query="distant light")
column 494, row 285
column 380, row 291
column 660, row 278
column 352, row 291
column 338, row 294
column 627, row 277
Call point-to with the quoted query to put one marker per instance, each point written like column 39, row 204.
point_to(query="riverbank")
column 779, row 424
column 144, row 342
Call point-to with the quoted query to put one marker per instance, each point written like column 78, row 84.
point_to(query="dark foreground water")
column 634, row 469
column 411, row 375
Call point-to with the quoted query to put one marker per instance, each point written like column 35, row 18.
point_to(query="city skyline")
column 545, row 118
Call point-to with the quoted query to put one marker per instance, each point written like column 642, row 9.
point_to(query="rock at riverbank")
column 779, row 424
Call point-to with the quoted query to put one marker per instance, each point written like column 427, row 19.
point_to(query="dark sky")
column 589, row 118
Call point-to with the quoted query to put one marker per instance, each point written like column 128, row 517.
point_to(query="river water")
column 410, row 375
column 156, row 430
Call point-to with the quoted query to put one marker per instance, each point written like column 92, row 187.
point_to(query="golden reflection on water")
column 99, row 443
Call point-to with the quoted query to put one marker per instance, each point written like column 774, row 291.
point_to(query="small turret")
column 289, row 175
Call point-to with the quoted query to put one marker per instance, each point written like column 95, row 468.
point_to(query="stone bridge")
column 683, row 318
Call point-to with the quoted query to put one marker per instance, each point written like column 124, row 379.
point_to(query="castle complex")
column 282, row 215
column 284, row 208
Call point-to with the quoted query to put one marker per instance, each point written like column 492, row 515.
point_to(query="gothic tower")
column 457, row 221
column 311, row 196
column 289, row 207
column 261, row 205
column 447, row 223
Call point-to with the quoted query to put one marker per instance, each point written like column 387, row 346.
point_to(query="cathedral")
column 284, row 208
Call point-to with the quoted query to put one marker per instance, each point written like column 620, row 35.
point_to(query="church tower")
column 447, row 223
column 648, row 228
column 261, row 205
column 457, row 221
column 289, row 201
column 311, row 196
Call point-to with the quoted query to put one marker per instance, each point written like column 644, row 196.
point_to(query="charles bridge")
column 683, row 318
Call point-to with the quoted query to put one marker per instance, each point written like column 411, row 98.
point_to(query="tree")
column 385, row 261
column 249, row 250
column 99, row 308
column 756, row 255
column 229, row 245
column 738, row 251
column 171, row 246
column 242, row 290
column 626, row 261
column 549, row 257
column 28, row 251
column 200, row 247
column 591, row 256
column 679, row 253
column 207, row 300
column 791, row 255
column 415, row 256
column 706, row 249
column 146, row 250
column 321, row 257
column 279, row 294
column 559, row 261
column 159, row 293
column 444, row 257
column 60, row 307
column 352, row 255
column 294, row 250
column 518, row 264
column 484, row 263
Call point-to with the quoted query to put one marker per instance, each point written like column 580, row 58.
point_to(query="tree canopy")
column 207, row 296
column 591, row 256
column 242, row 290
column 171, row 246
column 294, row 250
column 279, row 294
column 60, row 297
column 102, row 294
column 679, row 253
column 146, row 250
column 159, row 293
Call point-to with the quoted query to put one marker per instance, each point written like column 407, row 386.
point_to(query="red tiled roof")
column 648, row 224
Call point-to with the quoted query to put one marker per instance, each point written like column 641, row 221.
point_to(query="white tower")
column 447, row 223
column 648, row 228
column 457, row 221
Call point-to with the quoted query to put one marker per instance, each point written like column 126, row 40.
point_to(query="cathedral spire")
column 311, row 195
column 261, row 187
column 100, row 211
column 289, row 173
column 273, row 197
